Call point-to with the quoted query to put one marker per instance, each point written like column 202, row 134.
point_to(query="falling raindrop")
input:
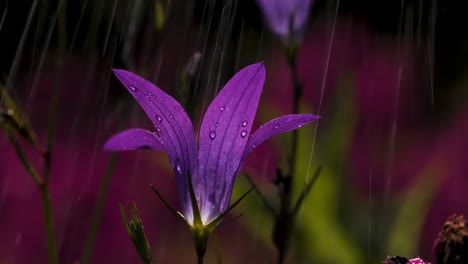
column 243, row 133
column 221, row 108
column 132, row 88
column 158, row 118
column 212, row 134
column 244, row 124
column 275, row 127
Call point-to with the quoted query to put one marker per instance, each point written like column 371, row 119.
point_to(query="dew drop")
column 244, row 124
column 212, row 134
column 158, row 118
column 216, row 125
column 158, row 129
column 132, row 88
column 156, row 133
column 177, row 166
column 161, row 99
column 300, row 125
column 221, row 108
column 171, row 116
column 149, row 94
column 275, row 127
column 243, row 133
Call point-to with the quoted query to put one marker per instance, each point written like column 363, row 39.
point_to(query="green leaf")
column 405, row 232
column 320, row 233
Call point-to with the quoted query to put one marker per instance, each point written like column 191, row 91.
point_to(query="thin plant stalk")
column 297, row 90
column 42, row 183
column 284, row 217
column 49, row 224
column 97, row 214
column 200, row 260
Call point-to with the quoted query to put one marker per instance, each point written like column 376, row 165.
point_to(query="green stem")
column 284, row 223
column 21, row 155
column 297, row 90
column 49, row 224
column 42, row 184
column 97, row 214
column 200, row 260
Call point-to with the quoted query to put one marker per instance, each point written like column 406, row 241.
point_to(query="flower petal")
column 277, row 126
column 223, row 135
column 172, row 125
column 278, row 15
column 131, row 139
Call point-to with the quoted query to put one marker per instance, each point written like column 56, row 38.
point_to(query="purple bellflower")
column 286, row 18
column 205, row 178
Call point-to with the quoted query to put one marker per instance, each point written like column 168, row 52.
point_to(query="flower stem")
column 284, row 219
column 49, row 225
column 200, row 260
column 297, row 92
column 43, row 188
column 88, row 250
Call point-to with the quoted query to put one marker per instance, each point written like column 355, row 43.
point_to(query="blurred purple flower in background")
column 286, row 18
column 403, row 260
column 417, row 260
column 224, row 137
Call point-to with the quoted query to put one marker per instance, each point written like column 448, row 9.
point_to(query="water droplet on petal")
column 177, row 166
column 221, row 108
column 171, row 116
column 244, row 124
column 161, row 99
column 149, row 94
column 158, row 129
column 275, row 127
column 212, row 134
column 132, row 88
column 216, row 125
column 300, row 125
column 243, row 133
column 158, row 118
